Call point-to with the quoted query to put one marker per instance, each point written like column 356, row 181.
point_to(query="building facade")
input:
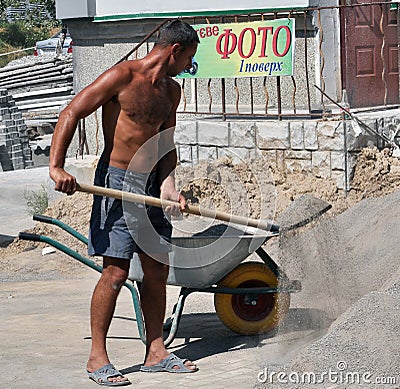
column 287, row 119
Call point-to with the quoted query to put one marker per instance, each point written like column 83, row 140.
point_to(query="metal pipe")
column 279, row 95
column 300, row 10
column 223, row 96
column 306, row 61
column 143, row 41
column 346, row 159
column 251, row 96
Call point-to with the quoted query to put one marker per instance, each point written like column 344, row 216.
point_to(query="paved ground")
column 15, row 185
column 46, row 338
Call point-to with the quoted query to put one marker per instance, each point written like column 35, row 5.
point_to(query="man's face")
column 181, row 58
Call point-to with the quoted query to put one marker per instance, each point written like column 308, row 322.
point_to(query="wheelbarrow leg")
column 173, row 322
column 269, row 261
column 168, row 323
column 138, row 311
column 93, row 265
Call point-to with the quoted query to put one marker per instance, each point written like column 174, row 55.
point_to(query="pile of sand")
column 359, row 350
column 350, row 273
column 15, row 260
column 343, row 258
column 256, row 190
column 361, row 346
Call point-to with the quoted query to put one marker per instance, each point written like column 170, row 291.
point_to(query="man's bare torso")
column 133, row 116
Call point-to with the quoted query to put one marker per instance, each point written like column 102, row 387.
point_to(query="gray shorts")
column 119, row 228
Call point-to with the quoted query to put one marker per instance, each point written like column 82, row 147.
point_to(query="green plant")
column 44, row 13
column 20, row 34
column 15, row 36
column 7, row 48
column 37, row 201
column 33, row 24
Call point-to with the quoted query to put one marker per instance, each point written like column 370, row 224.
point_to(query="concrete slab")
column 15, row 184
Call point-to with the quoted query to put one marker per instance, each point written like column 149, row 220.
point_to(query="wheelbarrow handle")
column 28, row 236
column 43, row 219
column 156, row 202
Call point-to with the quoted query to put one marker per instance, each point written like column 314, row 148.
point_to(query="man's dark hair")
column 177, row 31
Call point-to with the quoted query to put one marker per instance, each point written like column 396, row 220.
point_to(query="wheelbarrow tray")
column 202, row 261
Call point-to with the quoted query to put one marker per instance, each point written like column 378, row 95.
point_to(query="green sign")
column 263, row 48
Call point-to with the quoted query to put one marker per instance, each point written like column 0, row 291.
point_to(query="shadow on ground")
column 5, row 240
column 204, row 335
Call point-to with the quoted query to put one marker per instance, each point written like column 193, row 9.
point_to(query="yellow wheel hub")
column 251, row 314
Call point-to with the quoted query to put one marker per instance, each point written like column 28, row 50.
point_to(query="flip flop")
column 101, row 376
column 168, row 364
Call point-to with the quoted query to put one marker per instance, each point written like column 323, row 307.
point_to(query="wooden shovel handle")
column 191, row 209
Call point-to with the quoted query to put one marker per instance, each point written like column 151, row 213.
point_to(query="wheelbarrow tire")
column 244, row 318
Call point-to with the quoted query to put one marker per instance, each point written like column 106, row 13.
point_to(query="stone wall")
column 326, row 149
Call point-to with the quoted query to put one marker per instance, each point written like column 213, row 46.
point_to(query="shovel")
column 191, row 209
column 301, row 211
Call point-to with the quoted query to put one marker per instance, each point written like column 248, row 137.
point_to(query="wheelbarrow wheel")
column 251, row 314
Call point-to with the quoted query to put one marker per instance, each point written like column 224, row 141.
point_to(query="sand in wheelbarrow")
column 350, row 274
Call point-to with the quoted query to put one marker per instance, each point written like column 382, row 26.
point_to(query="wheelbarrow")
column 250, row 298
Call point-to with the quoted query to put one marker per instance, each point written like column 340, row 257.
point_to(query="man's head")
column 177, row 31
column 180, row 41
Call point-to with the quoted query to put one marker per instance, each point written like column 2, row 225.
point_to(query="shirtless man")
column 139, row 100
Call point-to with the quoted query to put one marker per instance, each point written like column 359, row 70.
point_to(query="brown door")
column 369, row 37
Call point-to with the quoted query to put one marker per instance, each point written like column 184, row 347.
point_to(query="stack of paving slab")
column 34, row 90
column 15, row 152
column 39, row 86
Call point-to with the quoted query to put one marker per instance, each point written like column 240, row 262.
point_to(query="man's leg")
column 153, row 301
column 115, row 272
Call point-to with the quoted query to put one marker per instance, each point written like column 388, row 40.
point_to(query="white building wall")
column 67, row 9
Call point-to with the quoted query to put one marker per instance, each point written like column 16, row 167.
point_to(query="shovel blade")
column 302, row 211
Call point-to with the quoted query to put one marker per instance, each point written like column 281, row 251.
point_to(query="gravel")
column 350, row 274
column 31, row 60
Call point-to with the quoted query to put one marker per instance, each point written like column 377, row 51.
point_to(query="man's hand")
column 175, row 196
column 64, row 182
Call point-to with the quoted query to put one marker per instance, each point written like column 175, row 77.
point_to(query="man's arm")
column 168, row 158
column 84, row 103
